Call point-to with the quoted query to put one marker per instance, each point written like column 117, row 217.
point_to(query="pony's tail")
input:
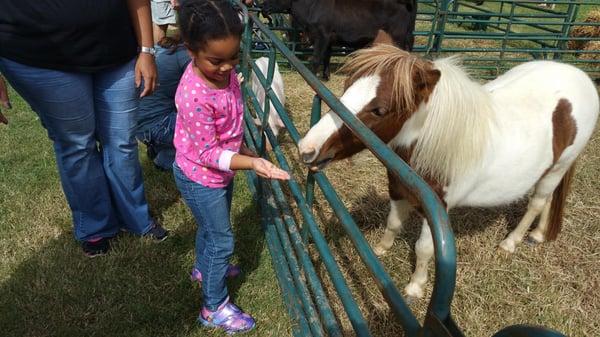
column 557, row 206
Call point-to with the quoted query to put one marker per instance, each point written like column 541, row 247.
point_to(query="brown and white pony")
column 476, row 145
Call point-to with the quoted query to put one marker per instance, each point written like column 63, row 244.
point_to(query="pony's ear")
column 432, row 77
column 383, row 38
column 427, row 78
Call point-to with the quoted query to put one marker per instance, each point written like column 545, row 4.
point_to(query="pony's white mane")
column 455, row 132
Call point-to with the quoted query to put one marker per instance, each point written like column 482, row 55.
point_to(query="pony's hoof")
column 535, row 237
column 413, row 291
column 508, row 245
column 379, row 250
column 529, row 241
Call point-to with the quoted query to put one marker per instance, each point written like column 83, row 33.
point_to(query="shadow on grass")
column 141, row 288
column 465, row 221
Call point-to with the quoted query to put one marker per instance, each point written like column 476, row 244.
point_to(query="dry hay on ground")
column 589, row 47
column 555, row 284
column 585, row 31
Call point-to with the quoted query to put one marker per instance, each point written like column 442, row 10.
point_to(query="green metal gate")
column 307, row 302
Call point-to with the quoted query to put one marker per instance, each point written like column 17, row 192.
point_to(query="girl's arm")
column 145, row 68
column 214, row 156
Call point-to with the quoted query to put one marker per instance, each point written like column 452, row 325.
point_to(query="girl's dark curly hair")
column 204, row 20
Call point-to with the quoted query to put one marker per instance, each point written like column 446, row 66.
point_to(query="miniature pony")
column 476, row 145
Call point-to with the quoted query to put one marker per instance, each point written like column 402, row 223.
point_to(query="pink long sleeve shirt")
column 209, row 129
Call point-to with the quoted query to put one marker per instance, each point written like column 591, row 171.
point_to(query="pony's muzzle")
column 311, row 158
column 308, row 155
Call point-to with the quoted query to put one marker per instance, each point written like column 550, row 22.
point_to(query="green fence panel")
column 307, row 302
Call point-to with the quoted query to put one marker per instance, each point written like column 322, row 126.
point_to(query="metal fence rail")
column 306, row 301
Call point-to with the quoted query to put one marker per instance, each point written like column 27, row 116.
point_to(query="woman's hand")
column 145, row 68
column 175, row 4
column 4, row 102
column 266, row 169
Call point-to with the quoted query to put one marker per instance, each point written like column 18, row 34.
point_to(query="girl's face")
column 216, row 60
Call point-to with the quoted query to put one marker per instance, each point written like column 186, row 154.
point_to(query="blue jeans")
column 159, row 140
column 214, row 237
column 90, row 119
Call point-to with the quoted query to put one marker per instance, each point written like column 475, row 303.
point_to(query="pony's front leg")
column 399, row 212
column 424, row 251
column 535, row 207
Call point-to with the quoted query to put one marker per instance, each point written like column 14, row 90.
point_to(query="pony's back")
column 541, row 84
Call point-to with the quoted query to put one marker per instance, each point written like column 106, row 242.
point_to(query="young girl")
column 208, row 143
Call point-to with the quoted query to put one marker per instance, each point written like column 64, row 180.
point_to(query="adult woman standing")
column 81, row 64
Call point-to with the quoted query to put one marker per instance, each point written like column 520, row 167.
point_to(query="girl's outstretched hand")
column 266, row 169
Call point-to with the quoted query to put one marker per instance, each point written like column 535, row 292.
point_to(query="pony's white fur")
column 488, row 145
column 274, row 120
column 443, row 149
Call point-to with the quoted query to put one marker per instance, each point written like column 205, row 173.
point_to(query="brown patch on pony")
column 564, row 131
column 398, row 190
column 425, row 83
column 564, row 128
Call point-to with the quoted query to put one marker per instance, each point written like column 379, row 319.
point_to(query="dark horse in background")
column 350, row 23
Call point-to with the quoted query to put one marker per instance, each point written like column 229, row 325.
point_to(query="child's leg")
column 219, row 243
column 201, row 236
column 214, row 239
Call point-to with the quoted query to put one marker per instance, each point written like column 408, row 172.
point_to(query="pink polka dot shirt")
column 209, row 129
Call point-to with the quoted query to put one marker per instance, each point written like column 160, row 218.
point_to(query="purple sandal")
column 227, row 317
column 232, row 271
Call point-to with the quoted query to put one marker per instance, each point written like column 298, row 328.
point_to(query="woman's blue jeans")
column 214, row 238
column 159, row 140
column 91, row 120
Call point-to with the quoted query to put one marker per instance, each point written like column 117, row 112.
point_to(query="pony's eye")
column 379, row 112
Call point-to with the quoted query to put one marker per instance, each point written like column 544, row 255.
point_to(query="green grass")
column 49, row 288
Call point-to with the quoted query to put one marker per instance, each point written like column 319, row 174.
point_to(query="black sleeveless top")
column 69, row 35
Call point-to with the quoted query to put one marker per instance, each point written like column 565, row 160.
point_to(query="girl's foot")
column 232, row 271
column 227, row 317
